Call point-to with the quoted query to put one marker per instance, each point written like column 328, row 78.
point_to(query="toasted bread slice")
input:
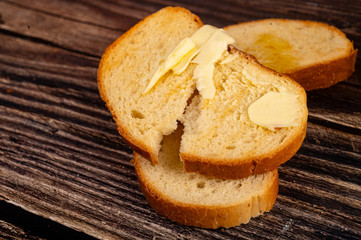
column 314, row 54
column 219, row 138
column 126, row 68
column 195, row 200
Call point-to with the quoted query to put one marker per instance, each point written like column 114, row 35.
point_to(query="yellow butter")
column 210, row 52
column 183, row 48
column 203, row 34
column 275, row 110
column 273, row 52
column 204, row 47
column 182, row 65
column 198, row 38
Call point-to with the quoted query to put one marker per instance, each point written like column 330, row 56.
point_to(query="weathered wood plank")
column 70, row 175
column 10, row 231
column 54, row 30
column 61, row 157
column 19, row 224
column 41, row 64
column 117, row 16
column 113, row 18
column 339, row 104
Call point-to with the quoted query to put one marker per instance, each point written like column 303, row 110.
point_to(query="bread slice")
column 195, row 200
column 219, row 138
column 314, row 54
column 125, row 69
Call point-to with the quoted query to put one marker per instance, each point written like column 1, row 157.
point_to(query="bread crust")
column 106, row 63
column 207, row 216
column 324, row 74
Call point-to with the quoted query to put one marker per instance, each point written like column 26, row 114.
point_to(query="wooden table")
column 65, row 169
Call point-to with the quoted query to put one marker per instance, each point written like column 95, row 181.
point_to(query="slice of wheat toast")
column 219, row 137
column 314, row 54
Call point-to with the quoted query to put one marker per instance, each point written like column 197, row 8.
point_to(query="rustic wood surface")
column 63, row 161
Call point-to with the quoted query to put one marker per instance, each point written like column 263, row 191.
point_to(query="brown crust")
column 241, row 168
column 325, row 74
column 205, row 216
column 105, row 63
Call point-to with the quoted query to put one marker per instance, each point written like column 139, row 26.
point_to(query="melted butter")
column 273, row 52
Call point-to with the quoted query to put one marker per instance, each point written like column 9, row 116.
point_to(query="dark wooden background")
column 66, row 173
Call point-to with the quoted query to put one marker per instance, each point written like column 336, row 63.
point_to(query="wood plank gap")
column 45, row 42
column 327, row 156
column 316, row 119
column 67, row 216
column 26, row 225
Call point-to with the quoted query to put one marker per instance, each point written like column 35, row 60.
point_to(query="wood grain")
column 61, row 157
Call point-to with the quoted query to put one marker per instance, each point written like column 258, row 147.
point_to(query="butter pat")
column 180, row 67
column 198, row 38
column 183, row 48
column 203, row 34
column 206, row 47
column 210, row 52
column 275, row 110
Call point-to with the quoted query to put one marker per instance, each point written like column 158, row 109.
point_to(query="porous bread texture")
column 314, row 54
column 195, row 200
column 220, row 140
column 126, row 68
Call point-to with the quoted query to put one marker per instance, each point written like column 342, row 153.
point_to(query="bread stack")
column 205, row 152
